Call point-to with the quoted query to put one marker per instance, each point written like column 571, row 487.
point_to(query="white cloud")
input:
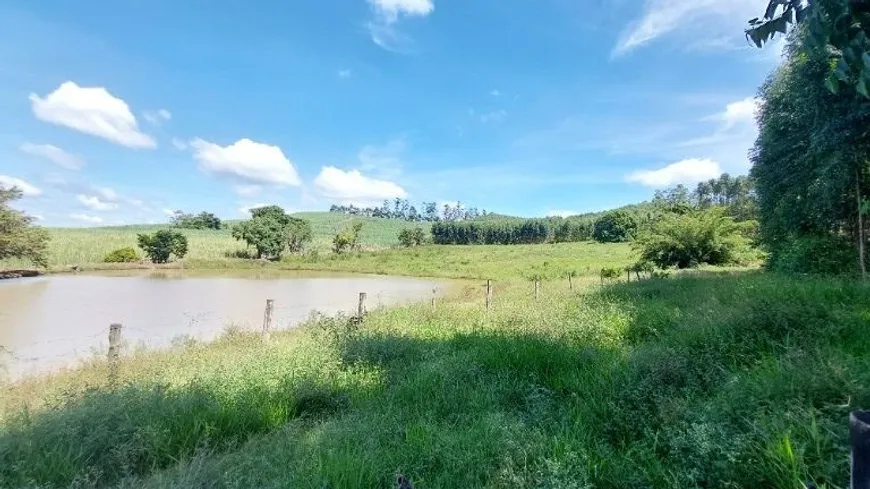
column 27, row 189
column 494, row 116
column 390, row 10
column 92, row 111
column 700, row 20
column 157, row 117
column 344, row 73
column 387, row 12
column 688, row 171
column 169, row 212
column 495, row 93
column 247, row 190
column 246, row 160
column 246, row 209
column 739, row 112
column 53, row 154
column 179, row 144
column 94, row 203
column 353, row 186
column 87, row 218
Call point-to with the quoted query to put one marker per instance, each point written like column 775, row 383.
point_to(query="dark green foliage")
column 826, row 255
column 271, row 230
column 203, row 220
column 122, row 255
column 412, row 237
column 159, row 246
column 735, row 194
column 810, row 159
column 347, row 239
column 572, row 230
column 19, row 238
column 615, row 227
column 695, row 238
column 509, row 231
column 840, row 27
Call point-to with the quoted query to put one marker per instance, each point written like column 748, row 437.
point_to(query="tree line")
column 405, row 210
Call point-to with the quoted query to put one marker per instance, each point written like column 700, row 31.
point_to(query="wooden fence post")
column 488, row 294
column 114, row 351
column 267, row 317
column 361, row 307
column 570, row 282
column 434, row 296
column 537, row 288
column 859, row 431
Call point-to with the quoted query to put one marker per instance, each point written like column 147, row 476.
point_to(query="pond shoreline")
column 9, row 274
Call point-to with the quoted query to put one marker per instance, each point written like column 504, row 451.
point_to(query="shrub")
column 122, row 255
column 614, row 227
column 347, row 239
column 412, row 237
column 160, row 245
column 695, row 238
column 825, row 255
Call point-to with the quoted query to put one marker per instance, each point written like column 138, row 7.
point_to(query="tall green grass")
column 738, row 380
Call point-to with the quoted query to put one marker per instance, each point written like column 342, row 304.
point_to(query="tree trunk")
column 861, row 259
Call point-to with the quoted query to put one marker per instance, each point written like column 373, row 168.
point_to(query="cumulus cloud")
column 53, row 154
column 27, row 189
column 353, row 186
column 344, row 73
column 387, row 13
column 94, row 203
column 699, row 20
column 87, row 218
column 688, row 171
column 739, row 112
column 248, row 161
column 157, row 117
column 92, row 111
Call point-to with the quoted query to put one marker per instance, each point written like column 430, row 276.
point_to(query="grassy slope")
column 741, row 380
column 84, row 246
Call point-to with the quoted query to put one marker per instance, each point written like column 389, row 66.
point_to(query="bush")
column 614, row 227
column 825, row 255
column 347, row 239
column 412, row 237
column 122, row 255
column 19, row 238
column 695, row 238
column 160, row 245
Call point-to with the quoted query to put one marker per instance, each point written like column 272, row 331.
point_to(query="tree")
column 203, row 220
column 270, row 230
column 614, row 227
column 810, row 158
column 839, row 27
column 412, row 237
column 19, row 238
column 347, row 239
column 697, row 237
column 160, row 245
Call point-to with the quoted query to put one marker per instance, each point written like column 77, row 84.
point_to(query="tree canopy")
column 271, row 230
column 19, row 238
column 162, row 244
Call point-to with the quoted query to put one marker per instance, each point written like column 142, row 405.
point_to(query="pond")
column 55, row 321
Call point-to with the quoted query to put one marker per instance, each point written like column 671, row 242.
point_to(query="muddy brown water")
column 55, row 321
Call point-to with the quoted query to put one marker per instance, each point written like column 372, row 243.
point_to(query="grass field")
column 704, row 380
column 88, row 246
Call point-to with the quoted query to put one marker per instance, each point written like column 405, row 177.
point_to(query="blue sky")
column 117, row 114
